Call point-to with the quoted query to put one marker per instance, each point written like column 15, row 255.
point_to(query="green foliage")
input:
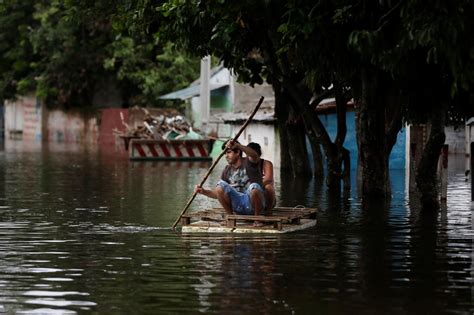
column 65, row 49
column 223, row 28
column 153, row 72
column 426, row 50
column 16, row 58
column 408, row 31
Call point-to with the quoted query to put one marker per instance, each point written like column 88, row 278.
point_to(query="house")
column 231, row 103
column 326, row 111
column 221, row 95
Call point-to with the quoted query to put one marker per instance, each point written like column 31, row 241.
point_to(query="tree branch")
column 318, row 98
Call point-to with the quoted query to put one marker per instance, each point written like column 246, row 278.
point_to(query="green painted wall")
column 220, row 99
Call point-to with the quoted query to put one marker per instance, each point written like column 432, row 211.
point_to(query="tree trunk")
column 338, row 156
column 318, row 170
column 333, row 178
column 316, row 128
column 301, row 97
column 426, row 177
column 371, row 130
column 281, row 112
column 346, row 174
column 293, row 152
column 297, row 145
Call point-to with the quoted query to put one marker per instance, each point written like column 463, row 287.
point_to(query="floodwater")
column 85, row 231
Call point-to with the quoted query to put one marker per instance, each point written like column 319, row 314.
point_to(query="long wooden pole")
column 217, row 160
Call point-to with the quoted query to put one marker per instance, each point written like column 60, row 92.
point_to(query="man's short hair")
column 225, row 143
column 256, row 147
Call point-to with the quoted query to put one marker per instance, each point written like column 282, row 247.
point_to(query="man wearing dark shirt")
column 240, row 189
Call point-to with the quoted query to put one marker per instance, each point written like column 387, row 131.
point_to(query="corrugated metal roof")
column 328, row 106
column 267, row 117
column 186, row 93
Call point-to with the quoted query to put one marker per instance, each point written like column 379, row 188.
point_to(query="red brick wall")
column 110, row 120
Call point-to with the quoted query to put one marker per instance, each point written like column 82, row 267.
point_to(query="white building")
column 231, row 103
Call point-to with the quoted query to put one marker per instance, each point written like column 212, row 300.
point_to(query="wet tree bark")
column 338, row 157
column 318, row 171
column 371, row 131
column 314, row 141
column 426, row 177
column 281, row 112
column 379, row 121
column 299, row 97
column 343, row 155
column 316, row 131
column 346, row 174
column 297, row 146
column 293, row 153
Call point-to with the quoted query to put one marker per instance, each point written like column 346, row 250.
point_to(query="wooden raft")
column 282, row 220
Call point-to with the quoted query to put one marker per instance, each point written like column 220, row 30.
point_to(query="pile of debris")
column 165, row 126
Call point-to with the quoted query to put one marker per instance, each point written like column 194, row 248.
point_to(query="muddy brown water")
column 85, row 231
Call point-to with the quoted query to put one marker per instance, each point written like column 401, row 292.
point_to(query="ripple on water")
column 53, row 293
column 96, row 247
column 59, row 302
column 57, row 279
column 128, row 228
column 49, row 311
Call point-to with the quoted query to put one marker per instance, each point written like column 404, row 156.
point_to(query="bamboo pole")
column 217, row 161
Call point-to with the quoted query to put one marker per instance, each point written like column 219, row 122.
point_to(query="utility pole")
column 205, row 95
column 472, row 169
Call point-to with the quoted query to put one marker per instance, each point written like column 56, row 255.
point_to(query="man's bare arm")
column 268, row 173
column 211, row 193
column 253, row 156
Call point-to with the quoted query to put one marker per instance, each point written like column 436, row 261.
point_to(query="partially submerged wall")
column 110, row 120
column 28, row 119
column 23, row 119
column 71, row 126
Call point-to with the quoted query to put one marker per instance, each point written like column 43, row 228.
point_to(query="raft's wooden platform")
column 282, row 220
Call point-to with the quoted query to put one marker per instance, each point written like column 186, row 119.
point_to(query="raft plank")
column 232, row 219
column 214, row 227
column 281, row 220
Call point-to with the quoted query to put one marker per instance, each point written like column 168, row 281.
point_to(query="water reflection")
column 84, row 231
column 234, row 270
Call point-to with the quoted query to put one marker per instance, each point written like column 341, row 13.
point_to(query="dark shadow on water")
column 241, row 267
column 293, row 191
column 375, row 257
column 429, row 245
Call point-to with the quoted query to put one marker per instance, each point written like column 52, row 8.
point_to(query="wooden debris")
column 282, row 220
column 166, row 125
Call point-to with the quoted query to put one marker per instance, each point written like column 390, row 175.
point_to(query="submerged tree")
column 251, row 38
column 418, row 61
column 440, row 77
column 362, row 50
column 397, row 60
column 409, row 55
